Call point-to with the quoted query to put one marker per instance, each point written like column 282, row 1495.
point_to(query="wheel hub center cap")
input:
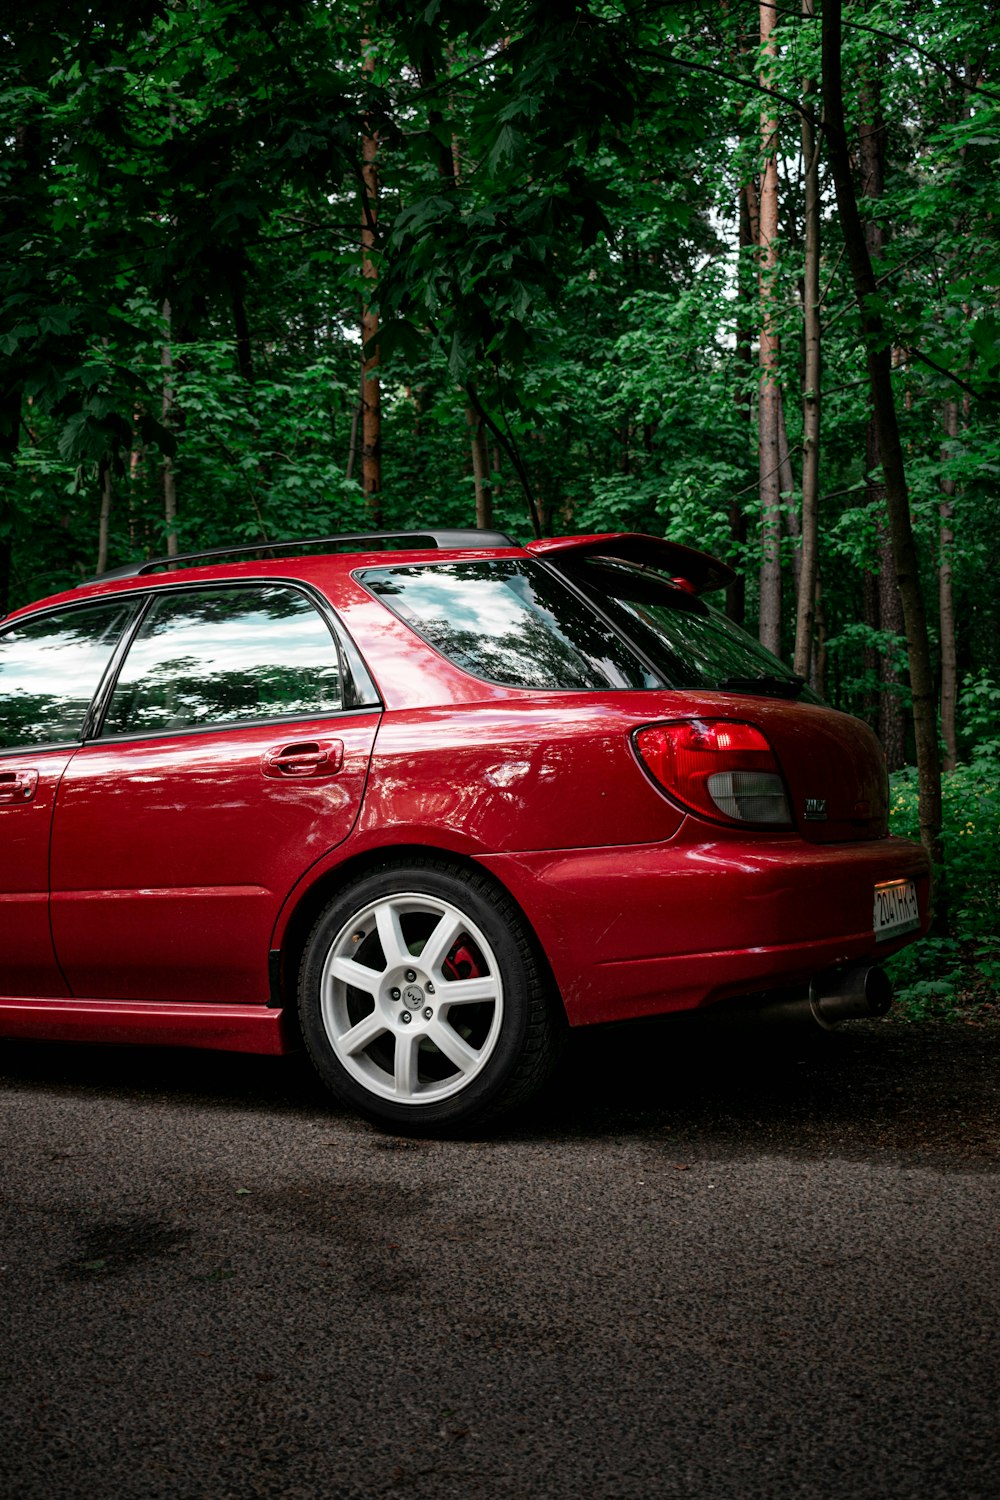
column 413, row 995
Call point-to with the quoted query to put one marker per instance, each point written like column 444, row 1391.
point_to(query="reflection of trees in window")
column 510, row 622
column 50, row 669
column 692, row 644
column 223, row 656
column 33, row 719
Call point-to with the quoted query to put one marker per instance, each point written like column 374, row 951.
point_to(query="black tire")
column 423, row 1002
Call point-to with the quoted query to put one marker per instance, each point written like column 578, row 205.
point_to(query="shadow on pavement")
column 928, row 1092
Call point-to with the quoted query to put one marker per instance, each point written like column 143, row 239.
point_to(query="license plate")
column 896, row 909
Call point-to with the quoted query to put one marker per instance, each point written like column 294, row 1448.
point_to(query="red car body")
column 162, row 887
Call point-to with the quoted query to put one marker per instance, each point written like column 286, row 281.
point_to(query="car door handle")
column 305, row 759
column 18, row 786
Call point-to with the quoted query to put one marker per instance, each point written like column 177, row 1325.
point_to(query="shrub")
column 957, row 970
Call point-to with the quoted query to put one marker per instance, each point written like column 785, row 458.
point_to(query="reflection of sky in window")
column 224, row 656
column 247, row 644
column 60, row 656
column 496, row 621
column 484, row 606
column 60, row 667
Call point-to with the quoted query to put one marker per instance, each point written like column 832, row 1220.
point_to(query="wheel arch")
column 299, row 923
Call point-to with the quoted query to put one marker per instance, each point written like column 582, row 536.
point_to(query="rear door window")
column 225, row 656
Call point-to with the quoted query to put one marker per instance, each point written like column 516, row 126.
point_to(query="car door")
column 229, row 756
column 50, row 668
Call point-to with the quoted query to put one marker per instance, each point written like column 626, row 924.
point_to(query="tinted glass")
column 511, row 622
column 219, row 656
column 50, row 669
column 694, row 645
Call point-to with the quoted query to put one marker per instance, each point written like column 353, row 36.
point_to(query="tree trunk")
column 870, row 655
column 946, row 534
column 949, row 672
column 169, row 478
column 480, row 470
column 768, row 403
column 891, row 713
column 745, row 295
column 817, row 679
column 878, row 359
column 812, row 370
column 352, row 445
column 105, row 473
column 786, row 476
column 891, row 717
column 371, row 388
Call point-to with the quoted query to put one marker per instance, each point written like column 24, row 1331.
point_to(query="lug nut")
column 395, row 994
column 428, row 1014
column 429, row 987
column 410, row 975
column 406, row 1018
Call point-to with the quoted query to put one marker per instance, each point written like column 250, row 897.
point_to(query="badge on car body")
column 815, row 809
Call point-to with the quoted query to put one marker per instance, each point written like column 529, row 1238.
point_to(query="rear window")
column 510, row 621
column 691, row 644
column 583, row 624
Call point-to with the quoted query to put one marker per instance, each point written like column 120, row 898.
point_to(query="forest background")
column 718, row 270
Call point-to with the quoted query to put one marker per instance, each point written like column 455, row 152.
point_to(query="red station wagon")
column 418, row 801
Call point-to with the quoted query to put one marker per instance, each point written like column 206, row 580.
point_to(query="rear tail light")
column 723, row 770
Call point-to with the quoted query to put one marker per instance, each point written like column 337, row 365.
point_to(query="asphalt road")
column 703, row 1266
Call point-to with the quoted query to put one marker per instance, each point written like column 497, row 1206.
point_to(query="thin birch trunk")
column 371, row 387
column 786, row 476
column 768, row 401
column 736, row 591
column 168, row 477
column 480, row 469
column 817, row 676
column 812, row 373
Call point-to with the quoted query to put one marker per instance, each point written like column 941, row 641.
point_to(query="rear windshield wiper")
column 767, row 683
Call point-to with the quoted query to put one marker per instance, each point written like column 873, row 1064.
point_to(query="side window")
column 224, row 655
column 50, row 669
column 512, row 622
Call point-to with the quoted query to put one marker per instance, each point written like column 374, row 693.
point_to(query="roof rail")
column 459, row 539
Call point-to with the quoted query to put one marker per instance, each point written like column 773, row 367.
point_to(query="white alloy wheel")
column 411, row 998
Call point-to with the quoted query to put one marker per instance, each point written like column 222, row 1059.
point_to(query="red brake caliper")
column 461, row 963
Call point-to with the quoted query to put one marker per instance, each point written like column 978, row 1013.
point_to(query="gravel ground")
column 703, row 1265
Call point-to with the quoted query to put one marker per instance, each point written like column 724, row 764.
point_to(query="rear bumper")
column 648, row 929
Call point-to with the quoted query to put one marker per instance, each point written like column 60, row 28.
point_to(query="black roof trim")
column 458, row 539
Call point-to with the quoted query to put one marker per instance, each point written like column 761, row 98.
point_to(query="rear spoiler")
column 696, row 571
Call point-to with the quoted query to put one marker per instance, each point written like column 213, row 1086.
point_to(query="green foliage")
column 959, row 970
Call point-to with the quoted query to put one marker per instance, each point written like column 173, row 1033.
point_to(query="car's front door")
column 228, row 759
column 50, row 668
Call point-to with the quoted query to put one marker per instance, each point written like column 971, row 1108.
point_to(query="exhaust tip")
column 843, row 994
column 878, row 991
